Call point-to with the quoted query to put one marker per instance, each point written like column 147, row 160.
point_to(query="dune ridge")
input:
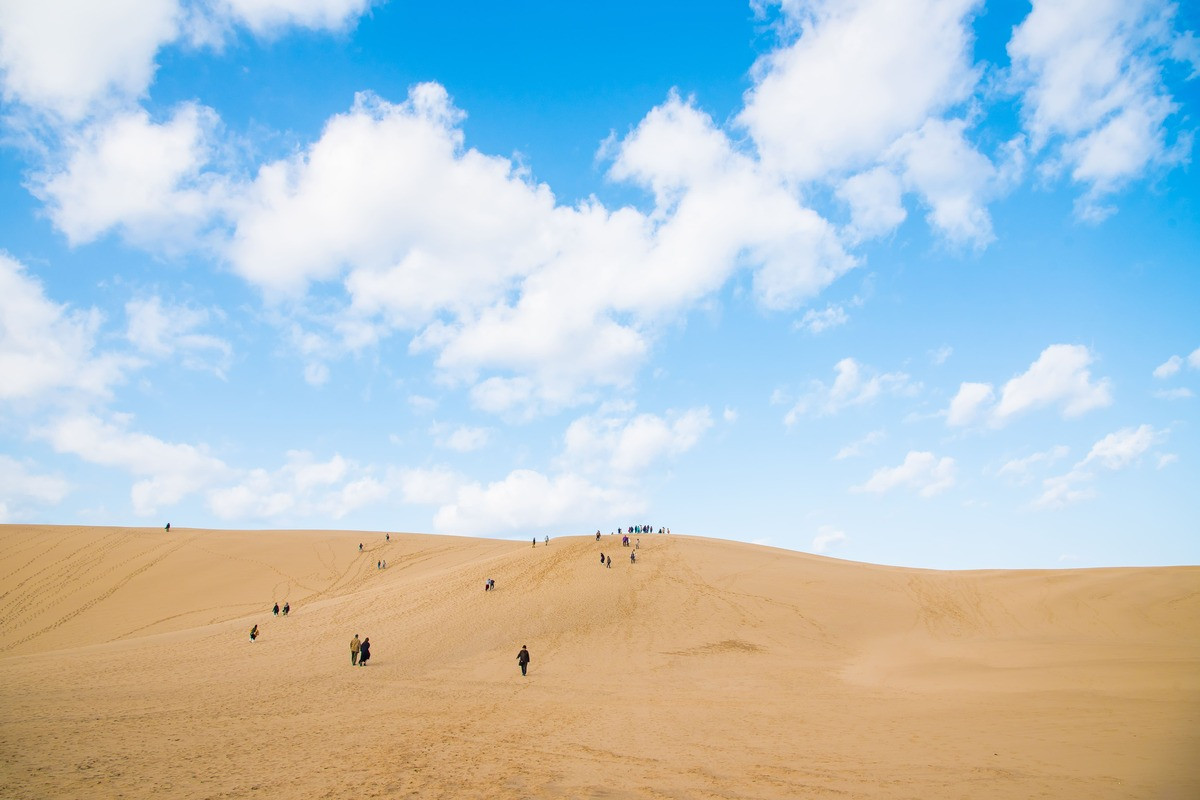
column 708, row 669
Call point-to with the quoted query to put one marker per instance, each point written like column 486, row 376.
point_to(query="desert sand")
column 708, row 669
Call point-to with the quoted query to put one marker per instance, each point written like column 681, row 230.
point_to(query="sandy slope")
column 709, row 669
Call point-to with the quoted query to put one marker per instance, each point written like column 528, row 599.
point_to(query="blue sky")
column 902, row 282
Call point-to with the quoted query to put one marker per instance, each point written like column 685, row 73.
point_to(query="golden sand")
column 708, row 669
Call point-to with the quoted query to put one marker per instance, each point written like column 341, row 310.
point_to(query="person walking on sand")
column 523, row 658
column 355, row 649
column 602, row 559
column 286, row 608
column 168, row 527
column 364, row 652
column 254, row 633
column 275, row 610
column 608, row 562
column 535, row 541
column 633, row 557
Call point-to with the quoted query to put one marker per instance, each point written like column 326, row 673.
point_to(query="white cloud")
column 1019, row 468
column 1122, row 448
column 169, row 472
column 876, row 206
column 856, row 448
column 969, row 404
column 1193, row 359
column 820, row 321
column 854, row 385
column 617, row 445
column 1178, row 393
column 461, row 438
column 302, row 488
column 142, row 177
column 67, row 56
column 922, row 471
column 527, row 500
column 730, row 415
column 1169, row 367
column 269, row 16
column 939, row 356
column 47, row 347
column 860, row 75
column 1092, row 87
column 22, row 491
column 827, row 537
column 163, row 331
column 1118, row 450
column 1059, row 377
column 952, row 178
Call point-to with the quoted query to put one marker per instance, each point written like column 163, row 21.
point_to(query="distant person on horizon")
column 355, row 649
column 523, row 658
column 275, row 610
column 364, row 652
column 254, row 633
column 387, row 536
column 547, row 541
column 168, row 527
column 360, row 547
column 535, row 541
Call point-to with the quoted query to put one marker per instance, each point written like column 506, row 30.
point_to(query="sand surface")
column 709, row 669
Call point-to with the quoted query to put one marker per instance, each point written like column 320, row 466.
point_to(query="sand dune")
column 709, row 669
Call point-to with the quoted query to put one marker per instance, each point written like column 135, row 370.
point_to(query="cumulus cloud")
column 24, row 492
column 1169, row 367
column 1018, row 469
column 860, row 75
column 46, row 347
column 854, row 385
column 1090, row 74
column 1060, row 377
column 164, row 330
column 300, row 489
column 167, row 471
column 619, row 445
column 1116, row 451
column 921, row 471
column 67, row 56
column 142, row 177
column 528, row 500
column 819, row 321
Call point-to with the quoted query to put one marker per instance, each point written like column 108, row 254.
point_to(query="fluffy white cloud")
column 922, row 471
column 47, row 347
column 302, row 488
column 268, row 16
column 169, row 472
column 854, row 385
column 163, row 331
column 860, row 75
column 819, row 321
column 970, row 402
column 1060, row 377
column 951, row 177
column 627, row 445
column 1118, row 450
column 526, row 500
column 1193, row 359
column 142, row 177
column 827, row 537
column 875, row 201
column 22, row 490
column 1092, row 87
column 66, row 56
column 1122, row 448
column 1169, row 367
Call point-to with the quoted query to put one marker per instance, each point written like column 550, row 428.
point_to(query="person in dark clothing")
column 523, row 658
column 364, row 652
column 608, row 562
column 168, row 527
column 602, row 559
column 254, row 633
column 275, row 610
column 286, row 608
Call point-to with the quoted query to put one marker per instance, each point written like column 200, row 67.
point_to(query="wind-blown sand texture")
column 709, row 669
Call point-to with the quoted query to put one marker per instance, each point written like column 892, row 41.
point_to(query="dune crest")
column 707, row 669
